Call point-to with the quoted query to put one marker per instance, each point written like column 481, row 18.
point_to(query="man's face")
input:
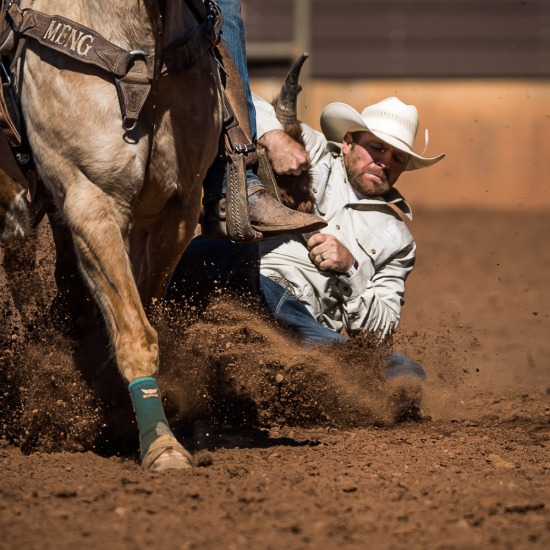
column 372, row 165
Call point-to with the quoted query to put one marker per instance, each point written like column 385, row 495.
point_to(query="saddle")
column 135, row 75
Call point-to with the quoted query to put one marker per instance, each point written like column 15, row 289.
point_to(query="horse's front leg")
column 100, row 231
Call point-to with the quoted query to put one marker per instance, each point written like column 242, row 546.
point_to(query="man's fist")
column 328, row 253
column 287, row 156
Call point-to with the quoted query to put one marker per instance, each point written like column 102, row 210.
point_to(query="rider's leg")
column 267, row 215
column 233, row 36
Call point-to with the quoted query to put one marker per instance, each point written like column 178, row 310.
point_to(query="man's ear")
column 346, row 144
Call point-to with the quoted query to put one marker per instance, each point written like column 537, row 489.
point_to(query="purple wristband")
column 353, row 269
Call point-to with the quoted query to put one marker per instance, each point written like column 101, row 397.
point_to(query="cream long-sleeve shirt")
column 371, row 229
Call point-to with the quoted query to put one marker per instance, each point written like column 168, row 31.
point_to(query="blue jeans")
column 233, row 35
column 288, row 310
column 207, row 265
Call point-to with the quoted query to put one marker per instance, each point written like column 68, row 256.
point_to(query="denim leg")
column 215, row 182
column 233, row 35
column 287, row 309
column 207, row 265
column 401, row 365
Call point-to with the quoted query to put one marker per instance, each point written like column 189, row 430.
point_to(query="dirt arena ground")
column 296, row 449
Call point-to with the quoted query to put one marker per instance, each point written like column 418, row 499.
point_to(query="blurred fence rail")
column 402, row 38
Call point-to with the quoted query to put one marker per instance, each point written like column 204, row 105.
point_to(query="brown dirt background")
column 296, row 449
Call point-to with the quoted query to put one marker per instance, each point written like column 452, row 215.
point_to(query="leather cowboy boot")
column 267, row 216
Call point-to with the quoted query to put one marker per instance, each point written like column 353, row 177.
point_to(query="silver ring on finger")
column 322, row 257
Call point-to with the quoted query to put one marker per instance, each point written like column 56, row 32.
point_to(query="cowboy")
column 349, row 277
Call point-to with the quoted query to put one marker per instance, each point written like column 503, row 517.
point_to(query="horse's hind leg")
column 162, row 246
column 100, row 232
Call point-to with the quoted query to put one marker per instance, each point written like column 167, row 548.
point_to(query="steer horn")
column 285, row 108
column 295, row 191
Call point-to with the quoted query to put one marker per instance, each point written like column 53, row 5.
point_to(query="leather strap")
column 74, row 40
column 236, row 116
column 239, row 149
column 133, row 89
column 7, row 126
column 88, row 46
column 265, row 173
column 237, row 141
column 134, row 70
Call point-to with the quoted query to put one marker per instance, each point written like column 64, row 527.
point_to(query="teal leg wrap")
column 150, row 416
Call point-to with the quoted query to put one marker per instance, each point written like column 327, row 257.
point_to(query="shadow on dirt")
column 229, row 369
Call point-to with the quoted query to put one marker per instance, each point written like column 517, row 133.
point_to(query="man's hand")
column 328, row 253
column 287, row 156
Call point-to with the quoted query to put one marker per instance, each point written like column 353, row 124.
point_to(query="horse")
column 123, row 153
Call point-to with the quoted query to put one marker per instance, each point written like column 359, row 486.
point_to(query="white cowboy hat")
column 391, row 120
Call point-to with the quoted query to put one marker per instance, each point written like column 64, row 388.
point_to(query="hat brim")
column 337, row 119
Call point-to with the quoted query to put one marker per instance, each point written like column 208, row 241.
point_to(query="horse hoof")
column 171, row 459
column 165, row 453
